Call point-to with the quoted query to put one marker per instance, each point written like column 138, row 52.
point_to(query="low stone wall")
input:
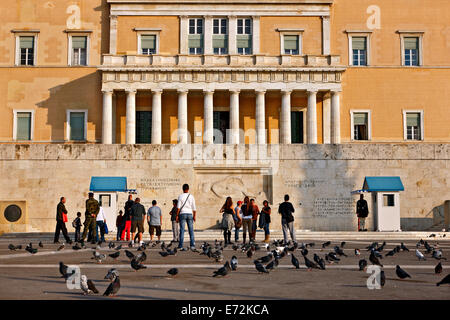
column 318, row 178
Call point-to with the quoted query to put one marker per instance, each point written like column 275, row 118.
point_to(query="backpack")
column 74, row 223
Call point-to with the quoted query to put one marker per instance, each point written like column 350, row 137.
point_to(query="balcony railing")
column 136, row 60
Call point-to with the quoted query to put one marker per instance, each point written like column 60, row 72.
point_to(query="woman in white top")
column 101, row 221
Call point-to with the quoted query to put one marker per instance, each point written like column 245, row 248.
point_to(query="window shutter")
column 26, row 42
column 148, row 41
column 79, row 42
column 291, row 42
column 243, row 41
column 77, row 126
column 23, row 126
column 411, row 43
column 413, row 119
column 195, row 41
column 359, row 43
column 220, row 41
column 360, row 118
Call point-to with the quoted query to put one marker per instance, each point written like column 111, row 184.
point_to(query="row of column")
column 285, row 121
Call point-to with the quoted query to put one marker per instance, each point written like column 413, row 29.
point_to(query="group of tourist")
column 244, row 215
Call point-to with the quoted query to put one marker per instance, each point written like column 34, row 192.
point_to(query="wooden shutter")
column 359, row 43
column 23, row 126
column 411, row 43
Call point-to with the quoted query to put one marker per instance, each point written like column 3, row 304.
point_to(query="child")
column 119, row 224
column 77, row 225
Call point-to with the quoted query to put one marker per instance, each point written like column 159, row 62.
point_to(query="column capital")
column 107, row 90
column 234, row 91
column 286, row 91
column 182, row 91
column 157, row 91
column 208, row 91
column 130, row 91
column 312, row 91
column 260, row 91
column 335, row 91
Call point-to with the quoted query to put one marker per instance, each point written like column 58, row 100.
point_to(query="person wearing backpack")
column 76, row 223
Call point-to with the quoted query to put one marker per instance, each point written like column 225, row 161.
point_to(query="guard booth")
column 106, row 191
column 385, row 201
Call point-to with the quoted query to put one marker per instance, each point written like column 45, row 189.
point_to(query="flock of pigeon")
column 275, row 252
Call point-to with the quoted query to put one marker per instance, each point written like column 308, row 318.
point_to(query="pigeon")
column 321, row 264
column 272, row 264
column 140, row 258
column 234, row 263
column 136, row 265
column 382, row 278
column 98, row 256
column 111, row 245
column 402, row 274
column 113, row 288
column 87, row 285
column 332, row 256
column 265, row 259
column 76, row 247
column 444, row 281
column 115, row 254
column 326, row 244
column 357, row 252
column 428, row 247
column 118, row 247
column 129, row 254
column 420, row 255
column 437, row 254
column 13, row 247
column 339, row 251
column 310, row 265
column 112, row 274
column 173, row 271
column 438, row 268
column 235, row 247
column 260, row 268
column 304, row 252
column 223, row 271
column 403, row 247
column 249, row 253
column 433, row 235
column 172, row 252
column 380, row 248
column 63, row 270
column 390, row 253
column 343, row 244
column 61, row 247
column 374, row 259
column 40, row 244
column 316, row 258
column 295, row 262
column 30, row 249
column 376, row 253
column 163, row 253
column 362, row 264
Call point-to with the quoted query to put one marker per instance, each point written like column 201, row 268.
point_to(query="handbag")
column 262, row 220
column 105, row 227
column 64, row 216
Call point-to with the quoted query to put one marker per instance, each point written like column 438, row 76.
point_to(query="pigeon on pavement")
column 98, row 256
column 326, row 244
column 234, row 263
column 30, row 249
column 438, row 268
column 136, row 265
column 446, row 280
column 374, row 259
column 115, row 255
column 420, row 255
column 112, row 274
column 402, row 274
column 295, row 262
column 13, row 247
column 310, row 265
column 357, row 252
column 173, row 271
column 113, row 288
column 382, row 278
column 129, row 254
column 223, row 271
column 260, row 268
column 118, row 247
column 437, row 254
column 403, row 247
column 362, row 264
column 63, row 270
column 87, row 285
column 40, row 244
column 61, row 247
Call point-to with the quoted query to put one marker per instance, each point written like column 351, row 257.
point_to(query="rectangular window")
column 195, row 37
column 359, row 51
column 411, row 45
column 220, row 36
column 23, row 128
column 26, row 50
column 77, row 122
column 244, row 36
column 388, row 200
column 105, row 200
column 291, row 44
column 148, row 44
column 413, row 126
column 79, row 51
column 360, row 126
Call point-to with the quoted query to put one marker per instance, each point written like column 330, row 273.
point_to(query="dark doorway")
column 221, row 122
column 296, row 126
column 143, row 127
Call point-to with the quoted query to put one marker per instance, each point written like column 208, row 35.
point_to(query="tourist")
column 61, row 219
column 254, row 211
column 101, row 221
column 246, row 220
column 175, row 223
column 265, row 215
column 287, row 219
column 76, row 223
column 186, row 213
column 127, row 218
column 137, row 220
column 362, row 211
column 92, row 209
column 227, row 220
column 237, row 217
column 154, row 219
column 119, row 225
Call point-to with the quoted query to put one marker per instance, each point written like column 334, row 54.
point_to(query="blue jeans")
column 266, row 229
column 236, row 234
column 101, row 225
column 189, row 218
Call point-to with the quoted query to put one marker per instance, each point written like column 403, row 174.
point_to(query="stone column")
column 112, row 34
column 207, row 33
column 335, row 118
column 182, row 116
column 232, row 31
column 107, row 117
column 255, row 35
column 156, row 116
column 260, row 117
column 130, row 135
column 326, row 35
column 208, row 113
column 326, row 106
column 234, row 116
column 311, row 119
column 285, row 122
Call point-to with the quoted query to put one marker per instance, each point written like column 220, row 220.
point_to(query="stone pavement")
column 27, row 276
